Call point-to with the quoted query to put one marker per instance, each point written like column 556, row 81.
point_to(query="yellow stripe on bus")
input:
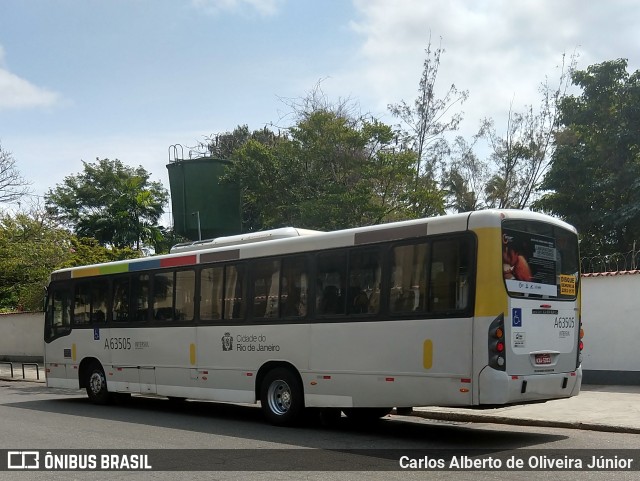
column 86, row 272
column 427, row 354
column 192, row 354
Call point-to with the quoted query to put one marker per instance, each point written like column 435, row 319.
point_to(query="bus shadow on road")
column 247, row 422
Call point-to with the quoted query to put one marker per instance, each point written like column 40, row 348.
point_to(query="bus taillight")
column 496, row 344
column 580, row 344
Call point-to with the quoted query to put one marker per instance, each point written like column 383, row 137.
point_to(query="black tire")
column 96, row 383
column 282, row 397
column 366, row 415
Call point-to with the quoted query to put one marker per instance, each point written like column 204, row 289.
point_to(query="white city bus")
column 471, row 309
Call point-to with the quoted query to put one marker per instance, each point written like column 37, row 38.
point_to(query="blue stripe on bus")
column 144, row 265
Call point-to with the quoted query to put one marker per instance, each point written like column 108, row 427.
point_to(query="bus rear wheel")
column 96, row 383
column 281, row 397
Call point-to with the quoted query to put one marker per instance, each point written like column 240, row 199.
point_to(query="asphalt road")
column 32, row 417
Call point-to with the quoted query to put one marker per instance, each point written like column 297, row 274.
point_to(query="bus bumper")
column 498, row 387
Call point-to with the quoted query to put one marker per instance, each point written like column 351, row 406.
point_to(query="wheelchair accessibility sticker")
column 516, row 317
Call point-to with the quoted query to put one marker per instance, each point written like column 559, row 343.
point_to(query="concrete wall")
column 611, row 321
column 610, row 317
column 21, row 337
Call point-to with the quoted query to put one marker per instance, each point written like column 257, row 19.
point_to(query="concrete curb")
column 484, row 418
column 19, row 379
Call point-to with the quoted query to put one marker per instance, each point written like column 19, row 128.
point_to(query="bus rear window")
column 539, row 260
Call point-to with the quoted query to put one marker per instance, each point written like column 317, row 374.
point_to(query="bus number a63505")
column 565, row 322
column 114, row 343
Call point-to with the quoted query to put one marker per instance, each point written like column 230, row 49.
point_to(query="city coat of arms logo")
column 227, row 342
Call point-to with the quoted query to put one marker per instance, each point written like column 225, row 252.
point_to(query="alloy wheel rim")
column 279, row 397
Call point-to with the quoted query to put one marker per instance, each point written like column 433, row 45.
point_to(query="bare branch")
column 12, row 185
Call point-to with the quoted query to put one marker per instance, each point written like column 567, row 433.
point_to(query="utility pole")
column 197, row 214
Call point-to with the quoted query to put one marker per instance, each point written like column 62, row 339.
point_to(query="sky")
column 125, row 79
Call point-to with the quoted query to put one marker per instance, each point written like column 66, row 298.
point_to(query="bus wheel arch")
column 280, row 390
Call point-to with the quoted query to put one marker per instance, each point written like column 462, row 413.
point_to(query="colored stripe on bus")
column 134, row 266
column 86, row 272
column 178, row 261
column 114, row 269
column 144, row 265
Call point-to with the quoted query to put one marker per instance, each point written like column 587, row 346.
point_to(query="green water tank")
column 203, row 206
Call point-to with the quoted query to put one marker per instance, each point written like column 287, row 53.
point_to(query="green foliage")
column 222, row 146
column 593, row 182
column 111, row 202
column 331, row 171
column 168, row 239
column 31, row 247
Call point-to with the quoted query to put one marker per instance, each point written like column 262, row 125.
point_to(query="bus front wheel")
column 97, row 385
column 281, row 397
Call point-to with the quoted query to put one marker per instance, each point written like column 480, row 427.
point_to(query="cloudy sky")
column 81, row 79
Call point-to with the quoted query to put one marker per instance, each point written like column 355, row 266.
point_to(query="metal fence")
column 628, row 261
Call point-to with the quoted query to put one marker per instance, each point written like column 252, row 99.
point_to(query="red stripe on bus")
column 178, row 261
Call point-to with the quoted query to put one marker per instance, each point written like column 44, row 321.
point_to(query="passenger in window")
column 374, row 301
column 360, row 303
column 293, row 306
column 330, row 300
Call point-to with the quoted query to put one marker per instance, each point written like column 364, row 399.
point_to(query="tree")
column 332, row 169
column 466, row 176
column 521, row 157
column 223, row 145
column 593, row 181
column 427, row 119
column 32, row 245
column 12, row 185
column 111, row 202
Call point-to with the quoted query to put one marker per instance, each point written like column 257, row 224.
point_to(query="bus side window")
column 121, row 299
column 408, row 285
column 58, row 316
column 185, row 295
column 140, row 297
column 99, row 295
column 449, row 268
column 365, row 270
column 294, row 288
column 331, row 283
column 82, row 303
column 163, row 296
column 234, row 296
column 211, row 287
column 266, row 288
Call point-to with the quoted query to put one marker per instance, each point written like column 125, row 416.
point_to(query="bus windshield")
column 539, row 259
